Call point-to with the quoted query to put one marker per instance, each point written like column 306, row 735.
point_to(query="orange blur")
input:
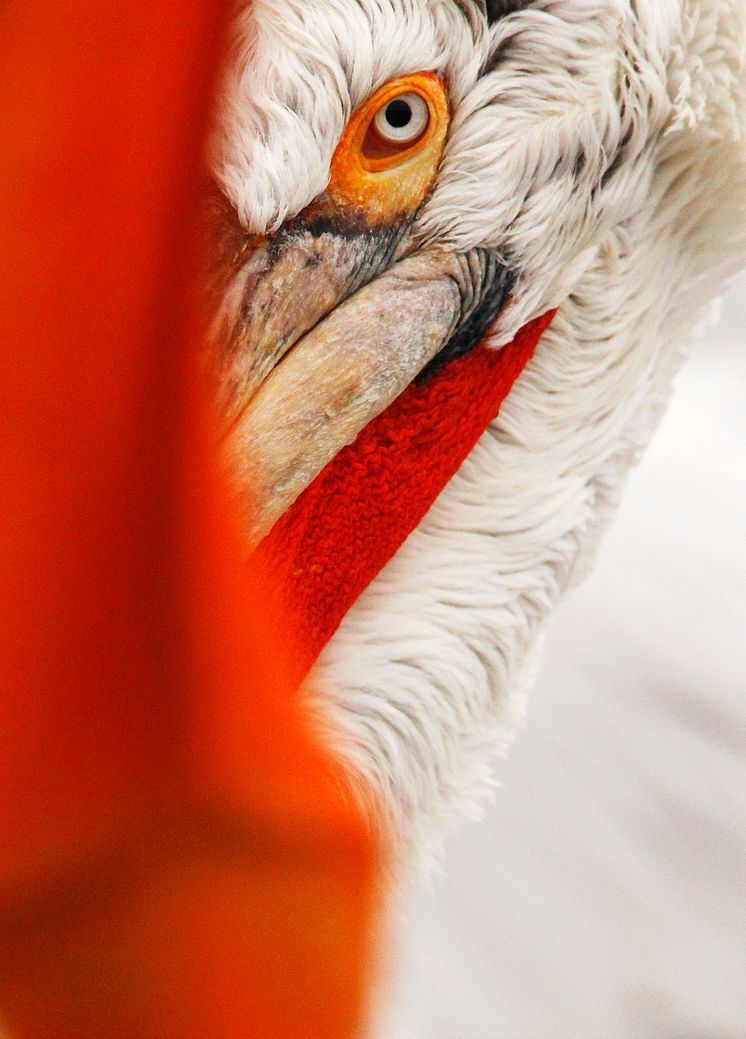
column 176, row 860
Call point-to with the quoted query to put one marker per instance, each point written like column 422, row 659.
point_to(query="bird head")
column 403, row 177
column 403, row 185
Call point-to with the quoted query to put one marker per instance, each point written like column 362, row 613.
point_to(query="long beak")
column 308, row 358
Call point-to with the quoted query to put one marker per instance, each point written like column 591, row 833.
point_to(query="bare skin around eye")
column 384, row 180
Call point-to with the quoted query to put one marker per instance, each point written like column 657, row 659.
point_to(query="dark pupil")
column 398, row 114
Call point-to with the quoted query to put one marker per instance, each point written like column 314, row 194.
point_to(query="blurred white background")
column 604, row 894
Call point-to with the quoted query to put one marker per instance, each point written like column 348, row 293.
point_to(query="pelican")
column 425, row 209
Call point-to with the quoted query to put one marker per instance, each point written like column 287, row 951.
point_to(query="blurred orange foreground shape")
column 175, row 860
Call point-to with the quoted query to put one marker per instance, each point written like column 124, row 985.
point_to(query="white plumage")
column 597, row 144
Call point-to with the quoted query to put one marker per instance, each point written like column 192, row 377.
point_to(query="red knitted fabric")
column 355, row 515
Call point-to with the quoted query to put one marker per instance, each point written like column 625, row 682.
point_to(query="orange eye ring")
column 388, row 178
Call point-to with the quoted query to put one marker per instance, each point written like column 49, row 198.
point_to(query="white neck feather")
column 428, row 674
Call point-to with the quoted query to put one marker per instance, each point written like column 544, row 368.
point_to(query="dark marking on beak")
column 268, row 294
column 495, row 282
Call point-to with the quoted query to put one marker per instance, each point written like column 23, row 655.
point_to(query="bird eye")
column 388, row 155
column 402, row 120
